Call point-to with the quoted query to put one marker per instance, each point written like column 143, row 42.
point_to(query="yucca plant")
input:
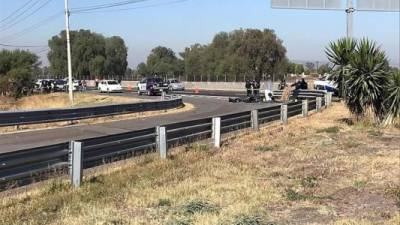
column 339, row 54
column 392, row 101
column 367, row 80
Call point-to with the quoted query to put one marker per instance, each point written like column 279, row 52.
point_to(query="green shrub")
column 250, row 220
column 309, row 182
column 198, row 206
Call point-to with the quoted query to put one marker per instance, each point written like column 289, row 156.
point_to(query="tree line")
column 245, row 52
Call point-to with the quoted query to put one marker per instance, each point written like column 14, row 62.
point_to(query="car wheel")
column 149, row 93
column 139, row 92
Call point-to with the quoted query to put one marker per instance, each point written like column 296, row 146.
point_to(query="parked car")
column 175, row 85
column 152, row 86
column 76, row 84
column 326, row 85
column 43, row 86
column 109, row 86
column 60, row 85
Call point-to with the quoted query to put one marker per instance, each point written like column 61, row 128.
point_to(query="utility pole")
column 70, row 84
column 349, row 11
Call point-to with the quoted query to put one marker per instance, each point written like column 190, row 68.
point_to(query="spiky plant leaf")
column 339, row 54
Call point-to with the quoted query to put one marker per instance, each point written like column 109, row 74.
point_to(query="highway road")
column 206, row 106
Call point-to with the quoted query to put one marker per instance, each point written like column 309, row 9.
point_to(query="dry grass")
column 60, row 100
column 305, row 173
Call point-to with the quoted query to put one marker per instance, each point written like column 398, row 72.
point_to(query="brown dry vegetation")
column 60, row 100
column 317, row 170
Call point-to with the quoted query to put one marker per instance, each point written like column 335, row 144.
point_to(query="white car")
column 110, row 86
column 175, row 85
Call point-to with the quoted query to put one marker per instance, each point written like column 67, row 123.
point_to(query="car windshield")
column 174, row 81
column 112, row 82
column 60, row 82
column 156, row 80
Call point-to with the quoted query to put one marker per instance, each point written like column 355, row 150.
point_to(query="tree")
column 162, row 61
column 310, row 67
column 248, row 52
column 339, row 54
column 116, row 56
column 324, row 68
column 142, row 69
column 17, row 71
column 92, row 54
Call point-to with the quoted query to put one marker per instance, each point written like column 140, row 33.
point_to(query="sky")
column 179, row 24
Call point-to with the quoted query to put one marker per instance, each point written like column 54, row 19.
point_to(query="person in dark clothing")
column 303, row 84
column 256, row 88
column 282, row 85
column 248, row 87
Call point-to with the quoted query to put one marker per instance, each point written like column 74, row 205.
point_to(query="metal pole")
column 216, row 131
column 70, row 84
column 284, row 114
column 75, row 163
column 349, row 11
column 254, row 120
column 161, row 141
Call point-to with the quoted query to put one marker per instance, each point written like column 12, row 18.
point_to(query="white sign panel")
column 378, row 5
column 307, row 4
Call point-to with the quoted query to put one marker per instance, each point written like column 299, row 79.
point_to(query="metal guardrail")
column 31, row 165
column 302, row 94
column 58, row 115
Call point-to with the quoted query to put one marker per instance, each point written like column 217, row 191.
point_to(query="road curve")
column 205, row 106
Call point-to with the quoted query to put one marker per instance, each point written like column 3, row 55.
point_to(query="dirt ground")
column 316, row 170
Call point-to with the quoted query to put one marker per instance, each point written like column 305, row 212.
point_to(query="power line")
column 104, row 6
column 30, row 6
column 16, row 11
column 23, row 46
column 132, row 8
column 24, row 18
column 32, row 27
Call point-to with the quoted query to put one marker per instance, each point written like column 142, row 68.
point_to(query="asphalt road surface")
column 205, row 106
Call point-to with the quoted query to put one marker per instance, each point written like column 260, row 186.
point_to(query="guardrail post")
column 162, row 95
column 319, row 104
column 305, row 108
column 329, row 101
column 161, row 141
column 216, row 131
column 254, row 120
column 284, row 114
column 75, row 163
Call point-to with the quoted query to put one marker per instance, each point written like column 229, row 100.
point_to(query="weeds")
column 264, row 149
column 293, row 195
column 375, row 133
column 250, row 220
column 198, row 206
column 329, row 130
column 395, row 193
column 163, row 202
column 309, row 182
column 359, row 184
column 197, row 147
column 179, row 221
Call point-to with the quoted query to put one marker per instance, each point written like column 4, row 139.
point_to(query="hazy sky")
column 304, row 33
